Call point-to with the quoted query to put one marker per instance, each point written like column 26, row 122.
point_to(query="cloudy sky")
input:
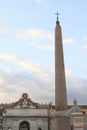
column 27, row 49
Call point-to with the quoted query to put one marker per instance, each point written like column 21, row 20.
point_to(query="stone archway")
column 39, row 128
column 24, row 125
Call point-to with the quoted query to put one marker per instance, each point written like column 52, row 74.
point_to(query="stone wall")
column 36, row 118
column 34, row 123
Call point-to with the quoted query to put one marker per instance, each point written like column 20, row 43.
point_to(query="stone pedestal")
column 61, row 120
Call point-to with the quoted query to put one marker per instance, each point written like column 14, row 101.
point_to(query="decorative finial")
column 57, row 22
column 75, row 102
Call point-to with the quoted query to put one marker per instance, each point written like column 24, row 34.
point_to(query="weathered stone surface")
column 34, row 123
column 26, row 112
column 60, row 85
column 61, row 120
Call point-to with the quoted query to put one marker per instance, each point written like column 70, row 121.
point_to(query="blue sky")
column 27, row 49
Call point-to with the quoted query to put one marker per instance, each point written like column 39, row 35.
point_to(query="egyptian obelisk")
column 61, row 116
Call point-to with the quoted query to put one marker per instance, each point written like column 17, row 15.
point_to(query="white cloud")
column 39, row 84
column 85, row 38
column 31, row 43
column 48, row 47
column 39, row 1
column 4, row 31
column 85, row 47
column 68, row 73
column 38, row 35
column 36, row 38
column 40, row 87
column 34, row 34
column 2, row 81
column 21, row 36
column 7, row 57
column 21, row 63
column 76, row 88
column 8, row 71
column 69, row 41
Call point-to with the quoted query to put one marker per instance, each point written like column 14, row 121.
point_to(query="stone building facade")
column 78, row 117
column 24, row 115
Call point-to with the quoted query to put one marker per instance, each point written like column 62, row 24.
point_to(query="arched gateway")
column 24, row 126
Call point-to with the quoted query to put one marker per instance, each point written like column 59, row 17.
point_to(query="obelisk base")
column 61, row 120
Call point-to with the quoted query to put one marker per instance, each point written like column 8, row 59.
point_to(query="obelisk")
column 61, row 117
column 60, row 85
